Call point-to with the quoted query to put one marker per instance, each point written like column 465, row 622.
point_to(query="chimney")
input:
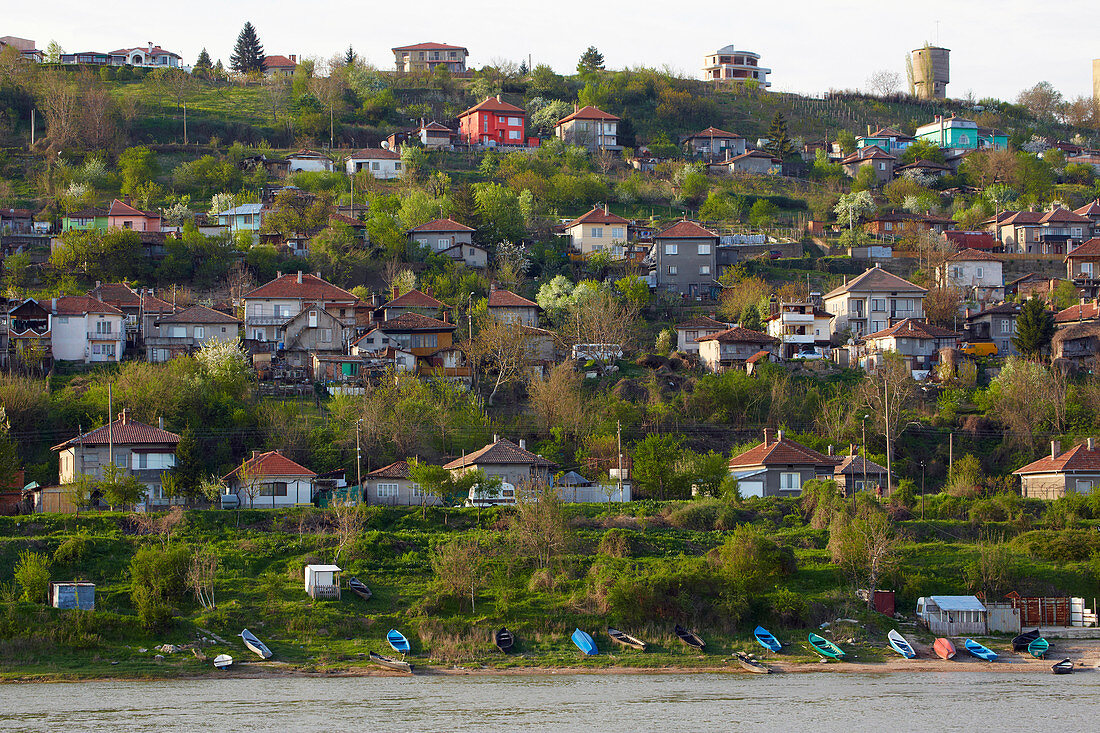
column 299, row 277
column 294, row 58
column 396, row 293
column 124, row 416
column 255, row 454
column 851, row 449
column 767, row 437
column 605, row 211
column 97, row 284
column 830, row 449
column 160, row 422
column 499, row 99
column 1055, row 449
column 492, row 286
column 496, row 438
column 278, row 274
column 1091, row 444
column 869, row 130
column 778, row 436
column 523, row 444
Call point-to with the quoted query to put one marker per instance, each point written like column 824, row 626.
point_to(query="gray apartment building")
column 686, row 259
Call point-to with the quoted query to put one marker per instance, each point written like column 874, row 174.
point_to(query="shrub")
column 73, row 550
column 789, row 606
column 32, row 573
column 700, row 516
column 1070, row 545
column 617, row 543
column 156, row 578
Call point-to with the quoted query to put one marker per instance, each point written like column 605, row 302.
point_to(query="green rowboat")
column 1038, row 648
column 824, row 647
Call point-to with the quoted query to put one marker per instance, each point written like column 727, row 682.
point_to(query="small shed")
column 72, row 595
column 953, row 615
column 323, row 581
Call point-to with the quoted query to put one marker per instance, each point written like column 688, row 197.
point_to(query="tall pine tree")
column 779, row 142
column 591, row 60
column 349, row 56
column 248, row 54
column 203, row 66
column 1034, row 328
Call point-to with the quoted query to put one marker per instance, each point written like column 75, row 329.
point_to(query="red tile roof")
column 702, row 322
column 504, row 452
column 278, row 62
column 272, row 463
column 374, row 154
column 910, row 328
column 876, row 279
column 598, row 215
column 116, row 294
column 78, row 305
column 414, row 322
column 890, row 132
column 1090, row 311
column 442, row 225
column 1077, row 458
column 752, row 154
column 714, row 132
column 739, row 335
column 118, row 208
column 1063, row 216
column 492, row 104
column 857, row 466
column 414, row 299
column 872, row 152
column 310, row 288
column 1023, row 217
column 123, row 431
column 398, row 469
column 1089, row 249
column 971, row 240
column 780, row 452
column 200, row 314
column 587, row 113
column 758, row 357
column 436, row 127
column 686, row 230
column 508, row 299
column 973, row 255
column 337, row 218
column 1091, row 209
column 152, row 304
column 429, row 46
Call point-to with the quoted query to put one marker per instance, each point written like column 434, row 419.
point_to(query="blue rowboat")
column 585, row 643
column 398, row 641
column 766, row 640
column 257, row 646
column 824, row 647
column 1038, row 648
column 979, row 651
column 900, row 645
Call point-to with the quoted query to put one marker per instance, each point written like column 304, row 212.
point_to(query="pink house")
column 123, row 216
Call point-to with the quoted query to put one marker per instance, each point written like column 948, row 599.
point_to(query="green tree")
column 137, row 166
column 248, row 53
column 349, row 56
column 865, row 179
column 120, row 488
column 499, row 215
column 1034, row 328
column 762, row 214
column 203, row 67
column 591, row 60
column 865, row 546
column 779, row 141
column 921, row 149
column 656, row 475
column 32, row 575
column 846, row 139
column 708, row 472
column 9, row 453
column 750, row 318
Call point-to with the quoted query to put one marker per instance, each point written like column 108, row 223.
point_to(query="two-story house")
column 519, row 469
column 424, row 336
column 873, row 301
column 957, row 135
column 270, row 306
column 279, row 66
column 686, row 259
column 1083, row 267
column 85, row 329
column 188, row 331
column 977, row 273
column 123, row 216
column 733, row 348
column 882, row 162
column 314, row 331
column 919, row 343
column 493, row 123
column 141, row 450
column 379, row 162
column 413, row 301
column 713, row 144
column 127, row 300
column 507, row 307
column 1091, row 211
column 451, row 239
column 425, row 57
column 1060, row 230
column 887, row 139
column 591, row 128
column 801, row 328
column 997, row 323
column 688, row 332
column 28, row 328
column 598, row 230
column 1019, row 231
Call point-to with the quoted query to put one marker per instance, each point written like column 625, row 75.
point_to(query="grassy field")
column 260, row 586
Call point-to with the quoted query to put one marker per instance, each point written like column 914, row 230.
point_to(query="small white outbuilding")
column 953, row 615
column 323, row 581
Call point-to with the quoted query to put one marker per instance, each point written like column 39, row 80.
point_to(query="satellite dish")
column 385, row 145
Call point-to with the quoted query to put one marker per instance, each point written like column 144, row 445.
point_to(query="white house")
column 270, row 480
column 873, row 301
column 381, row 163
column 978, row 273
column 801, row 327
column 85, row 329
column 696, row 328
column 309, row 161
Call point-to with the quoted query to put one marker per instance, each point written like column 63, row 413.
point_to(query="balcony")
column 266, row 320
column 793, row 317
column 97, row 336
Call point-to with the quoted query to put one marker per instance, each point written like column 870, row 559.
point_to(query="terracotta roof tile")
column 971, row 240
column 686, row 230
column 492, row 104
column 374, row 154
column 715, row 133
column 200, row 314
column 875, row 280
column 119, row 295
column 1063, row 216
column 508, row 299
column 272, row 463
column 1077, row 458
column 129, row 433
column 739, row 335
column 118, row 208
column 429, row 46
column 598, row 215
column 587, row 113
column 1091, row 209
column 1023, row 217
column 503, row 451
column 414, row 322
column 973, row 255
column 397, row 469
column 856, row 466
column 752, row 154
column 310, row 288
column 414, row 299
column 910, row 328
column 442, row 225
column 1090, row 311
column 78, row 305
column 1089, row 249
column 780, row 452
column 872, row 152
column 702, row 322
column 278, row 62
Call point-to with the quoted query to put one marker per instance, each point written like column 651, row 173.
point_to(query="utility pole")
column 922, row 490
column 32, row 127
column 185, row 124
column 470, row 314
column 619, row 440
column 110, row 426
column 950, row 453
column 886, row 405
column 358, row 456
column 865, row 452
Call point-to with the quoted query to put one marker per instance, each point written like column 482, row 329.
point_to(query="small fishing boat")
column 824, row 647
column 944, row 648
column 979, row 651
column 689, row 637
column 391, row 663
column 900, row 645
column 626, row 639
column 766, row 640
column 255, row 644
column 359, row 588
column 223, row 661
column 749, row 664
column 397, row 641
column 504, row 639
column 585, row 643
column 1038, row 648
column 1063, row 667
column 1021, row 641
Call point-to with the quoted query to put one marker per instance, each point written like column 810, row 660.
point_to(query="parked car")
column 979, row 348
column 774, row 254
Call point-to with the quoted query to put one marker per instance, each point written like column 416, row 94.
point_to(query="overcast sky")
column 997, row 48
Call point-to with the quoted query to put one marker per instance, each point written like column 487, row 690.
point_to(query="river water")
column 820, row 702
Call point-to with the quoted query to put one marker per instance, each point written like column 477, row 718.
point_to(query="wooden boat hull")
column 690, row 637
column 360, row 589
column 504, row 639
column 390, row 663
column 824, row 647
column 1038, row 648
column 977, row 650
column 751, row 665
column 944, row 648
column 256, row 646
column 397, row 641
column 900, row 645
column 1021, row 642
column 585, row 643
column 1063, row 667
column 626, row 639
column 765, row 639
column 223, row 661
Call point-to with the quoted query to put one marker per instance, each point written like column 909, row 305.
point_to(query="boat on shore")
column 504, row 639
column 585, row 643
column 824, row 647
column 900, row 645
column 359, row 588
column 979, row 651
column 626, row 639
column 765, row 639
column 689, row 637
column 254, row 644
column 391, row 663
column 1021, row 641
column 944, row 648
column 397, row 641
column 1063, row 667
column 1038, row 648
column 223, row 661
column 750, row 664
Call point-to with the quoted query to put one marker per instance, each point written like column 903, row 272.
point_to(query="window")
column 878, row 304
column 1083, row 487
column 672, row 270
column 616, row 232
column 704, row 269
column 703, row 249
column 981, row 273
column 418, row 492
column 177, row 332
column 326, row 335
column 882, row 166
column 1086, row 269
column 956, row 272
column 313, row 319
column 103, row 327
column 120, row 460
column 96, row 349
column 1006, row 326
column 904, row 305
column 375, row 166
column 386, row 491
column 597, row 232
column 672, row 249
column 889, row 226
column 257, row 309
column 200, row 332
column 275, row 488
column 397, row 166
column 442, row 243
column 62, row 319
column 877, row 326
column 790, row 481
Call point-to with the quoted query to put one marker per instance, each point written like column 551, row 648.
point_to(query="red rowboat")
column 944, row 648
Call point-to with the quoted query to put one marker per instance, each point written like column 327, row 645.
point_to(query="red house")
column 124, row 216
column 494, row 123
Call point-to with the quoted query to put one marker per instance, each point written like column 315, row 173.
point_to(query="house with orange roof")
column 270, row 480
column 379, row 162
column 1083, row 267
column 425, row 57
column 269, row 307
column 598, row 230
column 873, row 301
column 713, row 144
column 188, row 331
column 694, row 328
column 518, row 469
column 1075, row 471
column 756, row 162
column 917, row 342
column 801, row 327
column 882, row 162
column 733, row 348
column 449, row 238
column 977, row 272
column 392, row 485
column 779, row 466
column 85, row 329
column 887, row 139
column 494, row 123
column 123, row 216
column 590, row 128
column 507, row 307
column 1019, row 231
column 1060, row 230
column 280, row 66
column 1091, row 211
column 413, row 301
column 686, row 259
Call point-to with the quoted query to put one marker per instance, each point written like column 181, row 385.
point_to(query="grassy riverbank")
column 641, row 567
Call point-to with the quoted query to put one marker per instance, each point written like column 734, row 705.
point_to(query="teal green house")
column 93, row 217
column 887, row 139
column 955, row 133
